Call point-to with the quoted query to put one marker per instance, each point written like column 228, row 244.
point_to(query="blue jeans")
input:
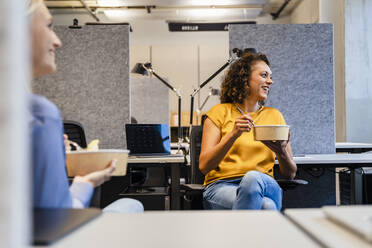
column 255, row 190
column 124, row 205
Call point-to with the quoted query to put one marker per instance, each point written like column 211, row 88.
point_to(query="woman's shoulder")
column 222, row 107
column 271, row 110
column 42, row 107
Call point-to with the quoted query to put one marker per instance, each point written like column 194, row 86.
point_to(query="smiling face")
column 44, row 42
column 260, row 81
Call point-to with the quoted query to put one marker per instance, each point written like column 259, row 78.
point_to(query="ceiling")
column 174, row 10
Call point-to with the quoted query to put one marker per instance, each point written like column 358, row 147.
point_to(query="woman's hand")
column 98, row 177
column 283, row 152
column 279, row 147
column 67, row 143
column 243, row 123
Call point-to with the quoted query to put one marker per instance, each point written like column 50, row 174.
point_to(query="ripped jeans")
column 255, row 190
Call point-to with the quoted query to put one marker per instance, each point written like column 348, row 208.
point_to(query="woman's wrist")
column 283, row 154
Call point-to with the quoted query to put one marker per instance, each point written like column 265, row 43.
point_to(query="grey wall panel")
column 91, row 85
column 149, row 100
column 301, row 57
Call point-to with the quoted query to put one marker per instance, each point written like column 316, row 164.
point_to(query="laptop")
column 51, row 224
column 148, row 139
column 357, row 218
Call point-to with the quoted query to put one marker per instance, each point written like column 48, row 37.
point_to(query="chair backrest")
column 195, row 146
column 75, row 132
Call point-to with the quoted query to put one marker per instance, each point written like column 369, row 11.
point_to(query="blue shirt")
column 50, row 183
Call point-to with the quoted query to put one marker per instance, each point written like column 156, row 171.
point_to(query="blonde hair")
column 32, row 5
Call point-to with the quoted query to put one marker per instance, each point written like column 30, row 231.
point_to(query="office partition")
column 91, row 85
column 149, row 100
column 301, row 57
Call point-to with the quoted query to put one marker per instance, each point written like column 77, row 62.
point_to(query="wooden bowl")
column 80, row 163
column 271, row 132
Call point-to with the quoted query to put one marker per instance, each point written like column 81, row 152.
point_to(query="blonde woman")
column 50, row 184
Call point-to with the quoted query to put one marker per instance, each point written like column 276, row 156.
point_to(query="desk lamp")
column 236, row 54
column 146, row 69
column 212, row 92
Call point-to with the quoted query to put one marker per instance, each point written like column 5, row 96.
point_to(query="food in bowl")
column 81, row 163
column 271, row 132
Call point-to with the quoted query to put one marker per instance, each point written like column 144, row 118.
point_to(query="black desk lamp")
column 146, row 69
column 212, row 92
column 237, row 53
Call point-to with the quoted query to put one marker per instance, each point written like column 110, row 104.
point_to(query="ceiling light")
column 111, row 3
column 204, row 13
column 118, row 14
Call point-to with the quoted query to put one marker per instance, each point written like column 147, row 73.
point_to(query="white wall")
column 14, row 168
column 307, row 11
column 358, row 67
column 332, row 11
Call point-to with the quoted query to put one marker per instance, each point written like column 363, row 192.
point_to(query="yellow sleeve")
column 281, row 119
column 217, row 115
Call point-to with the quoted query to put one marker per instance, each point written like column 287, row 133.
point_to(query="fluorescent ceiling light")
column 118, row 14
column 211, row 2
column 209, row 14
column 111, row 3
column 203, row 13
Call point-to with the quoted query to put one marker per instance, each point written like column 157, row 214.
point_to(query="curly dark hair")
column 235, row 86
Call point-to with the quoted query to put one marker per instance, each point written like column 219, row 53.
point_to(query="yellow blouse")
column 246, row 154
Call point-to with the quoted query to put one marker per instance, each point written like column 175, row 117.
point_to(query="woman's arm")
column 213, row 148
column 283, row 152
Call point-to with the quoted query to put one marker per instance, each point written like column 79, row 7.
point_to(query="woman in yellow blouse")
column 239, row 170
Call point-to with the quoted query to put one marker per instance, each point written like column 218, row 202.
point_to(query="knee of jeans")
column 251, row 178
column 125, row 205
column 268, row 204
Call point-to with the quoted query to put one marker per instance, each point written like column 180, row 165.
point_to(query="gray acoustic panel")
column 91, row 84
column 301, row 57
column 149, row 100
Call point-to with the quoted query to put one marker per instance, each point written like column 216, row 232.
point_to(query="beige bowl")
column 271, row 132
column 80, row 163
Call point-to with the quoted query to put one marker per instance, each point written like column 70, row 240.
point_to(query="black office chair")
column 192, row 191
column 75, row 132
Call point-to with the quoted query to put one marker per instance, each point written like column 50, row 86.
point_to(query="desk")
column 324, row 231
column 351, row 161
column 353, row 147
column 161, row 161
column 184, row 229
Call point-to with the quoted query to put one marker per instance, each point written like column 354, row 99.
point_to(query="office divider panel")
column 149, row 100
column 91, row 85
column 301, row 57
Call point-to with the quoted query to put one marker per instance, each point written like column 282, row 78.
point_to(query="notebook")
column 49, row 225
column 356, row 218
column 148, row 139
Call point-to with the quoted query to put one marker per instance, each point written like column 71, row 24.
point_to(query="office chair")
column 192, row 191
column 75, row 132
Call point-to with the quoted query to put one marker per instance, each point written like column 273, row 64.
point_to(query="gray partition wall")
column 91, row 85
column 149, row 100
column 301, row 57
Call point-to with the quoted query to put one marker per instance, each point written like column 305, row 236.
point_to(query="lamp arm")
column 231, row 60
column 205, row 101
column 166, row 83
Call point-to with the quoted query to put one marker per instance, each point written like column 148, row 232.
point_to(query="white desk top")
column 186, row 229
column 353, row 145
column 338, row 158
column 325, row 231
column 160, row 159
